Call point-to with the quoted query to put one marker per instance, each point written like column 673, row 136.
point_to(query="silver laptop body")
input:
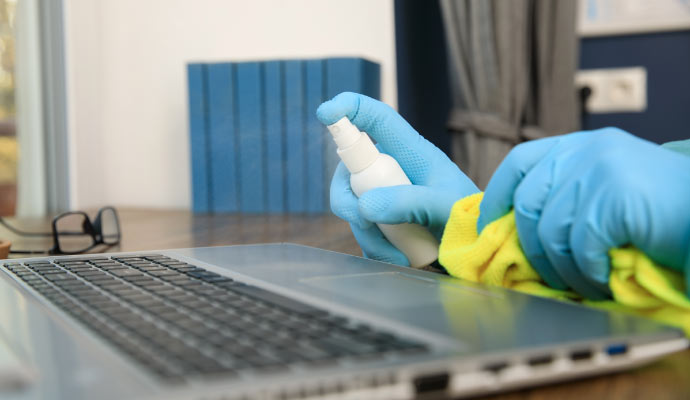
column 478, row 339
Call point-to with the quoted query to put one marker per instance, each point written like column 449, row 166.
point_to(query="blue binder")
column 295, row 165
column 250, row 135
column 274, row 122
column 222, row 143
column 198, row 135
column 315, row 137
column 256, row 145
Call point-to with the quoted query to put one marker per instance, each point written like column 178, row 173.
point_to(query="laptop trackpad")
column 391, row 290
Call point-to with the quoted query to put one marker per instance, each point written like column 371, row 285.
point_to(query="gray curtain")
column 512, row 65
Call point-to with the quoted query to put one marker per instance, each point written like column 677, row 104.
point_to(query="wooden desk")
column 157, row 230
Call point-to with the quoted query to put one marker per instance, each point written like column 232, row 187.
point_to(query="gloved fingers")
column 530, row 197
column 344, row 203
column 375, row 246
column 413, row 204
column 345, row 104
column 499, row 193
column 394, row 135
column 554, row 231
column 594, row 232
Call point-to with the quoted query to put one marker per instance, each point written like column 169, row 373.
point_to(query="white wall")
column 127, row 79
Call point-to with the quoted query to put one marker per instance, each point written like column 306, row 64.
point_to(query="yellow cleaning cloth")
column 639, row 286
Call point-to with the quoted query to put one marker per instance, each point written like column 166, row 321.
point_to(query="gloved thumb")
column 399, row 204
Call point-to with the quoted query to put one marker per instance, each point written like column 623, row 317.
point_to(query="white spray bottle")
column 370, row 169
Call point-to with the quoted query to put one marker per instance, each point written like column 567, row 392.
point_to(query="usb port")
column 581, row 355
column 540, row 360
column 617, row 349
column 496, row 367
column 431, row 383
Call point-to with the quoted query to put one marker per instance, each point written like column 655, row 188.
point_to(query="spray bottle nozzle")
column 345, row 134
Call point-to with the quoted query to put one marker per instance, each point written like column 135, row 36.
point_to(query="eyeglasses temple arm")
column 22, row 233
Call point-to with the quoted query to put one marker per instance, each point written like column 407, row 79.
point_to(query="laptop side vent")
column 359, row 385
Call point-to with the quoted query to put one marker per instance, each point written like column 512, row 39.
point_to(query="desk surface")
column 157, row 230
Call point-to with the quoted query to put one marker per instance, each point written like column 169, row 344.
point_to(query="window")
column 8, row 140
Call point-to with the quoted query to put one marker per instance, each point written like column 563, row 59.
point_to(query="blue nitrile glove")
column 577, row 196
column 437, row 181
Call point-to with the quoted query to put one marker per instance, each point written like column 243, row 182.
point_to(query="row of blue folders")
column 256, row 145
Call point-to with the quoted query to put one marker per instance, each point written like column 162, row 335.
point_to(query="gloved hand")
column 436, row 181
column 577, row 196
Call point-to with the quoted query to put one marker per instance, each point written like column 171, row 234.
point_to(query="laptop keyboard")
column 181, row 321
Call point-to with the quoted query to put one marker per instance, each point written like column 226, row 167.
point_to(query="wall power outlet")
column 614, row 89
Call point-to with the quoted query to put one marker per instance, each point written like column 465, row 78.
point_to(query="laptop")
column 283, row 321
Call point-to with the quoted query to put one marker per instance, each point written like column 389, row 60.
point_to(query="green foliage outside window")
column 8, row 143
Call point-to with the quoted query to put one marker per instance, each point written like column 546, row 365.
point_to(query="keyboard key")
column 72, row 264
column 141, row 281
column 51, row 271
column 136, row 277
column 81, row 267
column 178, row 279
column 105, row 265
column 202, row 274
column 125, row 291
column 60, row 277
column 163, row 272
column 158, row 258
column 126, row 272
column 174, row 263
column 185, row 268
column 38, row 263
column 218, row 279
column 90, row 273
column 144, row 264
column 153, row 267
column 77, row 260
column 38, row 267
column 112, row 267
column 106, row 282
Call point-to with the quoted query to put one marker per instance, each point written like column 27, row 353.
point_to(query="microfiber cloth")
column 639, row 285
